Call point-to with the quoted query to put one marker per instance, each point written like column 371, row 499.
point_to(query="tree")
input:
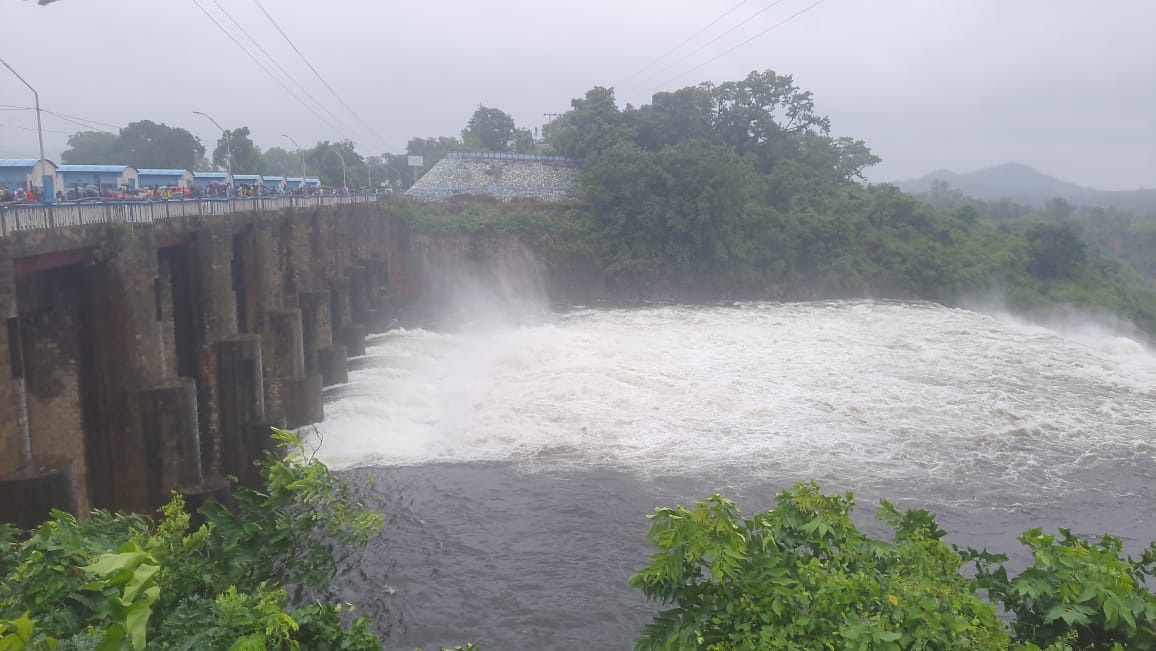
column 430, row 149
column 328, row 163
column 684, row 114
column 145, row 144
column 277, row 160
column 246, row 154
column 680, row 212
column 523, row 141
column 762, row 113
column 1058, row 209
column 129, row 582
column 593, row 125
column 490, row 129
column 1055, row 251
column 802, row 576
column 91, row 148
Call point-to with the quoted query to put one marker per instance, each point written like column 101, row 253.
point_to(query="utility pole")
column 344, row 187
column 550, row 117
column 228, row 149
column 45, row 180
column 302, row 161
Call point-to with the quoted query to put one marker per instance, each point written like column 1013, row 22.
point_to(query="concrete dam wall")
column 143, row 358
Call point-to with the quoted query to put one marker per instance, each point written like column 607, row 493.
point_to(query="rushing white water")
column 964, row 405
column 516, row 463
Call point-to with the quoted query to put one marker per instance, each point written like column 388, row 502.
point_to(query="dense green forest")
column 741, row 190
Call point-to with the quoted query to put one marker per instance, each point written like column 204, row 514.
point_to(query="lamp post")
column 344, row 187
column 228, row 149
column 45, row 180
column 302, row 161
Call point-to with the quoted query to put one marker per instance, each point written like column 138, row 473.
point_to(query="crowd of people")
column 19, row 195
column 213, row 190
column 501, row 179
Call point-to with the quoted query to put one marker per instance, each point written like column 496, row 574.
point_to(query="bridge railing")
column 28, row 217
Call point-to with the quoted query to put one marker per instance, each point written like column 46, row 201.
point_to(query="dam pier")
column 149, row 347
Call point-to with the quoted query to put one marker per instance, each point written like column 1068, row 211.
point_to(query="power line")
column 13, row 126
column 720, row 36
column 381, row 140
column 65, row 115
column 79, row 122
column 83, row 122
column 265, row 69
column 688, row 40
column 756, row 36
column 273, row 60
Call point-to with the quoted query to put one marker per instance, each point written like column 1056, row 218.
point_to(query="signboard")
column 417, row 161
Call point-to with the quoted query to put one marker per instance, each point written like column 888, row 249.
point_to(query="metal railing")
column 28, row 217
column 509, row 155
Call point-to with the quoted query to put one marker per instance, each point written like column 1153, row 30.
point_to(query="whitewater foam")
column 859, row 391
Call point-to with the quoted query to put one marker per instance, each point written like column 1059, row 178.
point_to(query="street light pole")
column 228, row 149
column 342, row 159
column 45, row 180
column 302, row 161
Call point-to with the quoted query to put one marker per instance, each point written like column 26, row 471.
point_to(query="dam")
column 149, row 347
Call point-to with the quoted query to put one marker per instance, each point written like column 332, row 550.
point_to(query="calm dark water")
column 516, row 465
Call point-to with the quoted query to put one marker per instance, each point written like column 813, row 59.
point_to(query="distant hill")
column 1026, row 185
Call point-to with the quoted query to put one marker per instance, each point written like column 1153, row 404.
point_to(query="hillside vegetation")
column 741, row 190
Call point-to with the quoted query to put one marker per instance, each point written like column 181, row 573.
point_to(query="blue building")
column 103, row 177
column 29, row 174
column 274, row 184
column 165, row 178
column 203, row 179
column 250, row 180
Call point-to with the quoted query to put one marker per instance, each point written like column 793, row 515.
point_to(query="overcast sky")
column 1067, row 86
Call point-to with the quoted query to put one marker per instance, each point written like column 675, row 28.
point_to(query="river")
column 516, row 463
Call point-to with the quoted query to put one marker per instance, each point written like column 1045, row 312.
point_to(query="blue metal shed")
column 203, row 179
column 28, row 173
column 151, row 177
column 105, row 177
column 292, row 182
column 251, row 180
column 274, row 183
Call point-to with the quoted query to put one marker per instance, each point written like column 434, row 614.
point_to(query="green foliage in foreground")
column 116, row 582
column 802, row 576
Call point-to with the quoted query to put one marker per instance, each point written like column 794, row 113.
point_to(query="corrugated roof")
column 210, row 175
column 161, row 172
column 96, row 169
column 17, row 162
column 246, row 177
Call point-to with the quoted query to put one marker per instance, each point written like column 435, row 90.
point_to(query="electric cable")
column 688, row 40
column 266, row 70
column 756, row 36
column 285, row 72
column 74, row 117
column 33, row 129
column 381, row 140
column 78, row 122
column 720, row 36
